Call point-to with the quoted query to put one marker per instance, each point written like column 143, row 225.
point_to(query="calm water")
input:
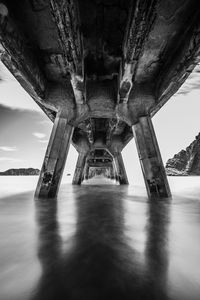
column 99, row 242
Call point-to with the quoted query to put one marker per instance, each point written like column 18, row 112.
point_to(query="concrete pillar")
column 150, row 159
column 78, row 174
column 120, row 169
column 55, row 157
column 112, row 175
column 87, row 171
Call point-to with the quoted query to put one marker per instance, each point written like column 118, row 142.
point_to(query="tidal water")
column 99, row 242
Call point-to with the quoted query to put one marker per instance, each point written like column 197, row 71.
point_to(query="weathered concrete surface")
column 150, row 158
column 112, row 172
column 120, row 169
column 55, row 157
column 66, row 17
column 79, row 171
column 82, row 43
column 21, row 61
column 86, row 171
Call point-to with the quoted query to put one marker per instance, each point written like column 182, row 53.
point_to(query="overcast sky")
column 25, row 129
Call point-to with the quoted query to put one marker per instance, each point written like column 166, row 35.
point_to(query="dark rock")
column 20, row 172
column 186, row 162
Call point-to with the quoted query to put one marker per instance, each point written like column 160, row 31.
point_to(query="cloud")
column 15, row 97
column 43, row 148
column 45, row 122
column 11, row 159
column 8, row 148
column 12, row 93
column 43, row 141
column 39, row 135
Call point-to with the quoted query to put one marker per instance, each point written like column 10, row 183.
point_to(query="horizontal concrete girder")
column 180, row 64
column 141, row 17
column 20, row 60
column 66, row 17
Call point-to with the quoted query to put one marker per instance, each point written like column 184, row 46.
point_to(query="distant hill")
column 186, row 162
column 20, row 172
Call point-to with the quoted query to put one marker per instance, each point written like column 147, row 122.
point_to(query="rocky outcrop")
column 20, row 172
column 186, row 162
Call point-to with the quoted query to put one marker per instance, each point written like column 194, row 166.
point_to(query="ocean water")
column 99, row 241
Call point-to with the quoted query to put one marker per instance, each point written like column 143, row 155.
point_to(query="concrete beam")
column 120, row 169
column 20, row 60
column 150, row 159
column 99, row 165
column 180, row 63
column 141, row 18
column 55, row 157
column 66, row 17
column 80, row 165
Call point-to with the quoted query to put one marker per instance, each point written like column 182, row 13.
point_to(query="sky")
column 25, row 129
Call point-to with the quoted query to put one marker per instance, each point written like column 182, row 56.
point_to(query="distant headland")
column 20, row 172
column 186, row 162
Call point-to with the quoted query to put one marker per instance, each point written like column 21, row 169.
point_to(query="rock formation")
column 20, row 172
column 186, row 162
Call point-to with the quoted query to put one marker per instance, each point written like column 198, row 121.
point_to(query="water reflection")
column 156, row 252
column 49, row 251
column 101, row 264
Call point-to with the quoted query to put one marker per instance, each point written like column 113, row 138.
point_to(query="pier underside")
column 100, row 70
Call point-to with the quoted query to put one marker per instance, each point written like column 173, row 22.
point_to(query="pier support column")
column 78, row 174
column 112, row 175
column 121, row 171
column 150, row 159
column 86, row 171
column 55, row 157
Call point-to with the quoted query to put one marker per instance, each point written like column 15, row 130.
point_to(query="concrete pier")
column 150, row 159
column 79, row 171
column 106, row 91
column 120, row 169
column 86, row 172
column 55, row 157
column 112, row 172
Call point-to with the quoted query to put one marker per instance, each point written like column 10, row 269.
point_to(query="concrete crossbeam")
column 141, row 18
column 66, row 17
column 181, row 62
column 21, row 61
column 86, row 171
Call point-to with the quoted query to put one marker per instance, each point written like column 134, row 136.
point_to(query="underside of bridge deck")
column 100, row 69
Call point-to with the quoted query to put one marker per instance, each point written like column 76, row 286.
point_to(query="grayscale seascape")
column 99, row 242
